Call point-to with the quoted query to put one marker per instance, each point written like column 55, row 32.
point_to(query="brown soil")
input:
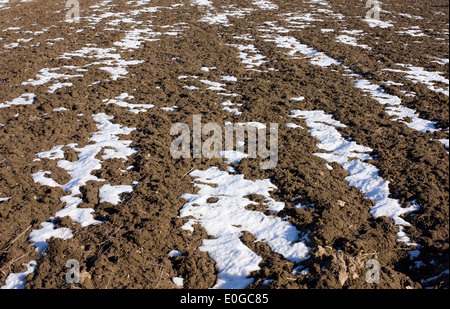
column 130, row 249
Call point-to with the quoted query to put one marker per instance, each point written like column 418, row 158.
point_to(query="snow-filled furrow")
column 352, row 157
column 106, row 141
column 422, row 76
column 349, row 40
column 103, row 145
column 134, row 108
column 4, row 4
column 250, row 56
column 393, row 104
column 219, row 87
column 109, row 59
column 265, row 5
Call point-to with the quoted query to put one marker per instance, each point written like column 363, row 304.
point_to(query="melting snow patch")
column 297, row 99
column 134, row 108
column 419, row 75
column 111, row 194
column 442, row 61
column 178, row 281
column 105, row 141
column 24, row 99
column 214, row 86
column 206, row 69
column 265, row 5
column 394, row 108
column 169, row 109
column 378, row 23
column 250, row 55
column 53, row 154
column 4, row 199
column 202, row 2
column 295, row 47
column 349, row 40
column 220, row 207
column 48, row 230
column 18, row 280
column 47, row 75
column 232, row 156
column 445, row 142
column 229, row 78
column 59, row 109
column 174, row 253
column 293, row 126
column 351, row 156
column 56, row 86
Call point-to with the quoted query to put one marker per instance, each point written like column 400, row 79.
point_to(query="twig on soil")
column 9, row 244
column 107, row 283
column 12, row 261
column 307, row 57
column 373, row 253
column 160, row 276
column 187, row 172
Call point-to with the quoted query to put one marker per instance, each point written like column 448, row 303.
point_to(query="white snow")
column 257, row 125
column 190, row 87
column 294, row 47
column 297, row 99
column 393, row 103
column 226, row 219
column 4, row 199
column 111, row 194
column 441, row 61
column 53, row 154
column 420, row 75
column 47, row 75
column 174, row 253
column 394, row 107
column 265, row 5
column 178, row 281
column 234, row 111
column 134, row 108
column 49, row 229
column 293, row 125
column 202, row 2
column 59, row 109
column 250, row 55
column 232, row 156
column 18, row 280
column 229, row 78
column 349, row 40
column 214, row 85
column 57, row 86
column 105, row 141
column 39, row 177
column 169, row 109
column 207, row 69
column 351, row 156
column 23, row 99
column 445, row 142
column 378, row 23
